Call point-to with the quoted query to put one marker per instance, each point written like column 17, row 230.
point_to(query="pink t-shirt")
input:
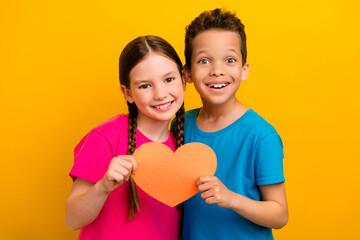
column 92, row 157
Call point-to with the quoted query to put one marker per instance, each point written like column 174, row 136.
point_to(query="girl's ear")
column 245, row 71
column 187, row 74
column 127, row 94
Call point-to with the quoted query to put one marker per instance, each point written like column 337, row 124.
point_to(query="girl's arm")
column 271, row 212
column 87, row 199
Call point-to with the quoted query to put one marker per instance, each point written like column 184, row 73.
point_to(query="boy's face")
column 216, row 66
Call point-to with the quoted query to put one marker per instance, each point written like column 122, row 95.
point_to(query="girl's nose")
column 160, row 92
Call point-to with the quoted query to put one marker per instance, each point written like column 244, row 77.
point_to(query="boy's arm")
column 271, row 212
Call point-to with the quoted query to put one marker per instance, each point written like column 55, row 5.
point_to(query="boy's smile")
column 216, row 66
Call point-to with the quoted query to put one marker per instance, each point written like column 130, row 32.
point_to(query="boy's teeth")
column 221, row 85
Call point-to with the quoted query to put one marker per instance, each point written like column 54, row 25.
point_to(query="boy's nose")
column 217, row 69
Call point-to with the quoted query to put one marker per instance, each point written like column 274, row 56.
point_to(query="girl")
column 105, row 202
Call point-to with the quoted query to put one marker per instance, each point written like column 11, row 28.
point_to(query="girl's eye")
column 169, row 79
column 230, row 60
column 203, row 61
column 144, row 86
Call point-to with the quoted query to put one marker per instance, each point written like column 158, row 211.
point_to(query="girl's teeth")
column 163, row 106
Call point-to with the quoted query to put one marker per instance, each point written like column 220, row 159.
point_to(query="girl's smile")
column 156, row 87
column 164, row 107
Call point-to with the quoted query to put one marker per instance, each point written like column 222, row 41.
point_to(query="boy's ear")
column 127, row 94
column 245, row 71
column 187, row 74
column 183, row 80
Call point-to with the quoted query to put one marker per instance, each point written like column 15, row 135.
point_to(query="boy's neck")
column 213, row 118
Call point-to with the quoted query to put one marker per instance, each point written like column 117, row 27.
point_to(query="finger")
column 123, row 162
column 131, row 161
column 204, row 179
column 134, row 164
column 119, row 164
column 210, row 200
column 207, row 194
column 119, row 169
column 124, row 172
column 115, row 176
column 205, row 186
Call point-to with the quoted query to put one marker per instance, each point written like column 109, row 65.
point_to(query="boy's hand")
column 118, row 172
column 214, row 191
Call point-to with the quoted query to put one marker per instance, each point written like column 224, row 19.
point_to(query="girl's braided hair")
column 132, row 54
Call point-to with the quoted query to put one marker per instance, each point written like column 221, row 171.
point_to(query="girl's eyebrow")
column 146, row 81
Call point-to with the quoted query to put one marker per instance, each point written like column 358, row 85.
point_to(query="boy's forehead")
column 216, row 39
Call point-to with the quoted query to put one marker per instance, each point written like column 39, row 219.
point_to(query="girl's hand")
column 214, row 191
column 118, row 172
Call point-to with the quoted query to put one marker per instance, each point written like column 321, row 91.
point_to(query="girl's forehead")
column 153, row 66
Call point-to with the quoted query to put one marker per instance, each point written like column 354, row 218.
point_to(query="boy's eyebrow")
column 200, row 52
column 229, row 50
column 140, row 81
column 233, row 50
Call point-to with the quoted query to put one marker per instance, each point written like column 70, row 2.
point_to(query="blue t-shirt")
column 249, row 153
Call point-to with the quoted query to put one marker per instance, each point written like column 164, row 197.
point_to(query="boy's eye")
column 169, row 79
column 203, row 61
column 230, row 60
column 144, row 86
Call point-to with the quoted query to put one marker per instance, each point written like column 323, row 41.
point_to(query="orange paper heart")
column 170, row 177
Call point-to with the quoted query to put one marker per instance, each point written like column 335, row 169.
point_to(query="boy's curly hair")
column 219, row 19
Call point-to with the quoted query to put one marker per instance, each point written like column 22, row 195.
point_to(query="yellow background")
column 59, row 79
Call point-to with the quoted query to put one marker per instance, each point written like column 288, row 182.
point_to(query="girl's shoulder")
column 113, row 126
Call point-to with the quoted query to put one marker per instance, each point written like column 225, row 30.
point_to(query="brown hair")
column 132, row 54
column 218, row 19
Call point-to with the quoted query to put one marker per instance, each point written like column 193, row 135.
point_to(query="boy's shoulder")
column 192, row 112
column 256, row 123
column 250, row 121
column 191, row 115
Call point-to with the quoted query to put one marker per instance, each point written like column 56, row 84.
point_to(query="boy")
column 246, row 197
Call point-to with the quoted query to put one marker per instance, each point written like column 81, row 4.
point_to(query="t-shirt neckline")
column 221, row 131
column 144, row 138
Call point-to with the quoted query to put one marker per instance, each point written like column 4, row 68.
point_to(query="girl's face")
column 156, row 87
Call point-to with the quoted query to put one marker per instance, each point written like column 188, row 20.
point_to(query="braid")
column 178, row 131
column 179, row 127
column 132, row 126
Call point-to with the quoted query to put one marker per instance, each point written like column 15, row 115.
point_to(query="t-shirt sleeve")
column 91, row 157
column 269, row 160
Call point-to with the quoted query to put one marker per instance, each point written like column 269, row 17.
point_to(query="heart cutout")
column 170, row 177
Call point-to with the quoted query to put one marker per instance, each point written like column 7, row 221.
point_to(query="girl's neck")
column 155, row 130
